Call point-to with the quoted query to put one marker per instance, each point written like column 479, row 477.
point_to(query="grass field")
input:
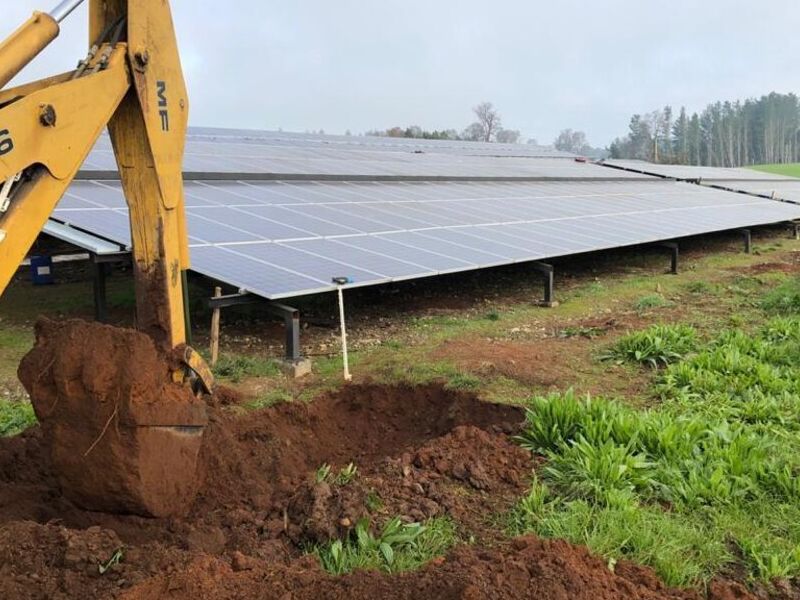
column 665, row 409
column 790, row 170
column 720, row 448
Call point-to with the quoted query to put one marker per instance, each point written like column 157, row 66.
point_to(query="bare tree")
column 489, row 119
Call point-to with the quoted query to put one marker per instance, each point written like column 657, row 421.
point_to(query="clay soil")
column 423, row 451
column 420, row 453
column 550, row 360
column 122, row 435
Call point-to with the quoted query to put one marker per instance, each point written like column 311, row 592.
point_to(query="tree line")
column 725, row 134
column 487, row 127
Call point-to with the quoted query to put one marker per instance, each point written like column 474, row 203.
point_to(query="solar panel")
column 692, row 173
column 269, row 154
column 228, row 159
column 788, row 191
column 283, row 239
column 288, row 141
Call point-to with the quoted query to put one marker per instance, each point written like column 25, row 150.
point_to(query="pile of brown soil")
column 531, row 568
column 423, row 452
column 469, row 475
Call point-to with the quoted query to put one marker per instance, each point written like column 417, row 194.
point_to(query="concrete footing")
column 296, row 369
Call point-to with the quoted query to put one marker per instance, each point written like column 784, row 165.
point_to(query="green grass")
column 679, row 547
column 463, row 381
column 708, row 478
column 785, row 299
column 789, row 169
column 15, row 417
column 14, row 343
column 343, row 477
column 650, row 302
column 700, row 287
column 656, row 346
column 270, row 399
column 398, row 547
column 582, row 331
column 237, row 368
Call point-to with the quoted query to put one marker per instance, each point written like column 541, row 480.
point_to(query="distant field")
column 791, row 169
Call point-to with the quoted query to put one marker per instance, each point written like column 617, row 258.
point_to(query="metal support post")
column 549, row 283
column 291, row 317
column 294, row 362
column 748, row 241
column 674, row 250
column 100, row 268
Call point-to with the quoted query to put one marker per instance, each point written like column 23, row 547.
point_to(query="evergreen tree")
column 724, row 134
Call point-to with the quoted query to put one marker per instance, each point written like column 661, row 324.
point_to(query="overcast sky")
column 364, row 64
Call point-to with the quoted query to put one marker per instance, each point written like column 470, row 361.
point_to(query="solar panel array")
column 692, row 173
column 281, row 214
column 388, row 144
column 787, row 191
column 218, row 156
column 281, row 239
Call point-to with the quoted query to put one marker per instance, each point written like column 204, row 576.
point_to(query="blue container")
column 42, row 270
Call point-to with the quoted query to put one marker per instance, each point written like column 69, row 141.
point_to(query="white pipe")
column 347, row 376
column 63, row 10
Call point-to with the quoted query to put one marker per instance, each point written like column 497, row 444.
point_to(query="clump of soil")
column 122, row 435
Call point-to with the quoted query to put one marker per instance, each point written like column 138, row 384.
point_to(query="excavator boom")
column 130, row 82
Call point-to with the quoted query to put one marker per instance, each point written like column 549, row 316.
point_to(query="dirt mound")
column 457, row 475
column 423, row 451
column 530, row 569
column 33, row 558
column 269, row 454
column 122, row 436
column 420, row 452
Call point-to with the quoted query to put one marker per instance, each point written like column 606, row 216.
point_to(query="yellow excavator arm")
column 131, row 82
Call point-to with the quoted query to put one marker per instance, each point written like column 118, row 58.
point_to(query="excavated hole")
column 367, row 424
column 264, row 457
column 399, row 438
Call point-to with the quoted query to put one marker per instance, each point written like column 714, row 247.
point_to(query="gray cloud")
column 359, row 64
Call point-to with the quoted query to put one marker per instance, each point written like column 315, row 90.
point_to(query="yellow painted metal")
column 47, row 128
column 22, row 46
column 82, row 108
column 52, row 154
column 148, row 133
column 21, row 91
